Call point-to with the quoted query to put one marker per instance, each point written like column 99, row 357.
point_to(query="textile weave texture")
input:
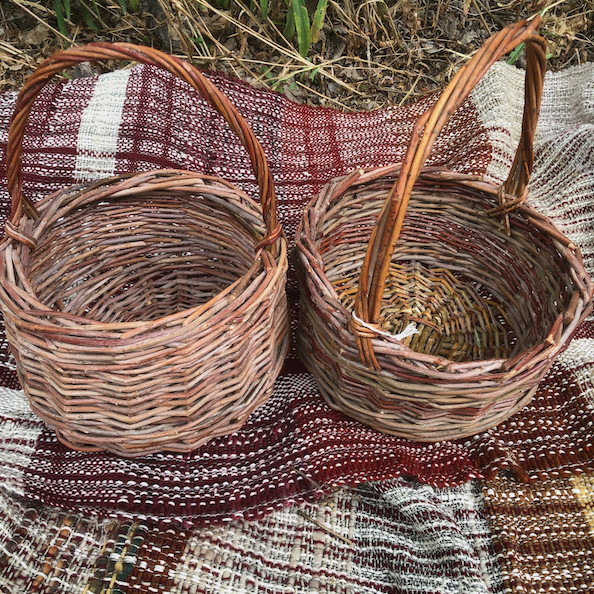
column 303, row 499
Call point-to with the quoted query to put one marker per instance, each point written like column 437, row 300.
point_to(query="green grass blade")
column 302, row 26
column 59, row 8
column 289, row 30
column 318, row 20
column 89, row 18
column 513, row 57
column 264, row 9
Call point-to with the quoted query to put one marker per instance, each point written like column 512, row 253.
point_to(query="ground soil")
column 370, row 53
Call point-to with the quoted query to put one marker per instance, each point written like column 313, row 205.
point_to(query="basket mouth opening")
column 470, row 292
column 140, row 260
column 149, row 295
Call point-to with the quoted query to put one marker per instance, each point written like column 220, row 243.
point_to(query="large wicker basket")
column 146, row 312
column 433, row 303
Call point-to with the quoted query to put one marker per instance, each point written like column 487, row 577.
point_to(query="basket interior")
column 471, row 292
column 140, row 257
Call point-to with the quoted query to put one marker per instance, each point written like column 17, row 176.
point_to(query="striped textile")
column 303, row 499
column 406, row 538
column 400, row 536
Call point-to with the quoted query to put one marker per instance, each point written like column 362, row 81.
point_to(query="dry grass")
column 371, row 53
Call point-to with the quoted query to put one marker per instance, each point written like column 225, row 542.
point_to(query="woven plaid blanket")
column 303, row 499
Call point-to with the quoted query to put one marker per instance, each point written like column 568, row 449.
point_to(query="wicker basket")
column 146, row 312
column 433, row 303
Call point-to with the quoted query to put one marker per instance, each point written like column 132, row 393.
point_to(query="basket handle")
column 94, row 52
column 385, row 234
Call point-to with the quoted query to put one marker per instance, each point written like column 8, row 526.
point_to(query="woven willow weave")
column 433, row 303
column 146, row 312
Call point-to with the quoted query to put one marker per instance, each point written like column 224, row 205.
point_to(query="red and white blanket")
column 240, row 513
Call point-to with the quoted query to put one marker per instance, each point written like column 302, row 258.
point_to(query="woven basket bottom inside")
column 454, row 318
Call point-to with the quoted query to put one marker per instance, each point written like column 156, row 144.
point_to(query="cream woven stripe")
column 287, row 553
column 563, row 179
column 18, row 435
column 567, row 109
column 100, row 126
column 433, row 529
column 499, row 100
column 579, row 357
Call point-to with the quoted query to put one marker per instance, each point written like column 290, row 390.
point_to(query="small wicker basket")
column 146, row 312
column 433, row 303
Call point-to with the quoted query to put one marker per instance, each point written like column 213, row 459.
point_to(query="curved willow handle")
column 385, row 235
column 93, row 52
